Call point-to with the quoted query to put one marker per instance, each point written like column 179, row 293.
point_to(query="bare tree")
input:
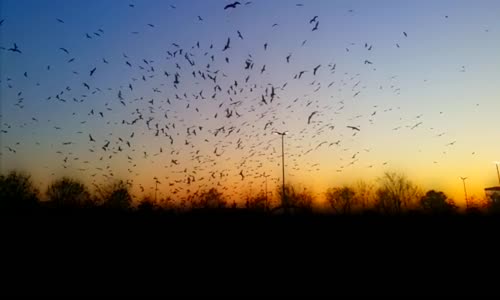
column 396, row 193
column 341, row 199
column 364, row 195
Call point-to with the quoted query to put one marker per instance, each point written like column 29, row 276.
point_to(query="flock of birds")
column 188, row 117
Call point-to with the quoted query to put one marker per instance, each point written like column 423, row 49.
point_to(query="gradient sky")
column 427, row 108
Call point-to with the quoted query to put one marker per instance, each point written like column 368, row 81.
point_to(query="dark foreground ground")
column 234, row 254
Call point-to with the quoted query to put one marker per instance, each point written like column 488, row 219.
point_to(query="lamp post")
column 465, row 192
column 283, row 199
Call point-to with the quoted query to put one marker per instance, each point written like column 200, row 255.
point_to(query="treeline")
column 394, row 194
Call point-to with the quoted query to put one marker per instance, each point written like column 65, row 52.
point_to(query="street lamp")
column 465, row 191
column 498, row 172
column 283, row 201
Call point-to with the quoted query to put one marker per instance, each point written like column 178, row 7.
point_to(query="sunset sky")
column 419, row 79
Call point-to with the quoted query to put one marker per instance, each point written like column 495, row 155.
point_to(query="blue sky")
column 444, row 74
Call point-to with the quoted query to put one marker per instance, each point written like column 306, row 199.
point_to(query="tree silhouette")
column 437, row 203
column 117, row 196
column 300, row 201
column 341, row 199
column 147, row 205
column 17, row 191
column 256, row 203
column 364, row 195
column 396, row 193
column 210, row 199
column 67, row 192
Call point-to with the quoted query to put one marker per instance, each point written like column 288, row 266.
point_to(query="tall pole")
column 156, row 186
column 498, row 173
column 265, row 206
column 465, row 192
column 283, row 198
column 156, row 189
column 283, row 168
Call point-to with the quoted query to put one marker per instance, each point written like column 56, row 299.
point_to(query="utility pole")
column 465, row 192
column 498, row 172
column 283, row 198
column 265, row 176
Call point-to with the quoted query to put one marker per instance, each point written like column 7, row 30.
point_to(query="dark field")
column 99, row 252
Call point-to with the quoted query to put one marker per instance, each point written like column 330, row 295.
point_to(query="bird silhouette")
column 227, row 44
column 315, row 26
column 310, row 116
column 353, row 128
column 92, row 71
column 15, row 49
column 316, row 69
column 232, row 5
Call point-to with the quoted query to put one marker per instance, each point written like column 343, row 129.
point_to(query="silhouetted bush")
column 67, row 192
column 256, row 203
column 147, row 205
column 437, row 203
column 117, row 196
column 211, row 199
column 493, row 205
column 17, row 191
column 295, row 200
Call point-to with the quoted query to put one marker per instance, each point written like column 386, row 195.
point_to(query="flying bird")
column 316, row 69
column 92, row 71
column 15, row 49
column 310, row 116
column 353, row 128
column 315, row 26
column 227, row 44
column 232, row 5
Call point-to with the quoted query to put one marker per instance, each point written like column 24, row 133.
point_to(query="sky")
column 418, row 81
